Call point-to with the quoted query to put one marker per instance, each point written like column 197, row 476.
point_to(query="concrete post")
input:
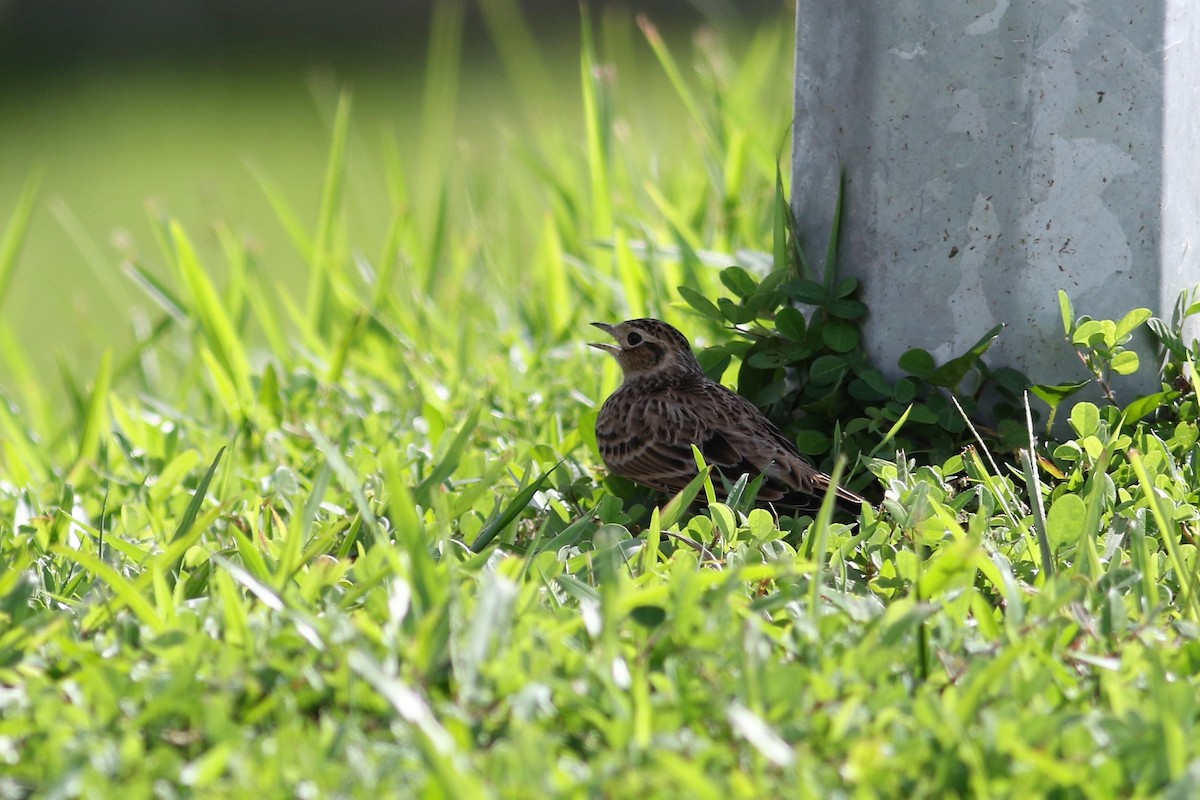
column 994, row 152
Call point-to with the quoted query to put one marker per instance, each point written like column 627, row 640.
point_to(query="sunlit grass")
column 342, row 534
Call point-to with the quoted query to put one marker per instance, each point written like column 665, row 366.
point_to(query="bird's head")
column 648, row 348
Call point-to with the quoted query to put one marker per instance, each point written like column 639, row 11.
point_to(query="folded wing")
column 734, row 437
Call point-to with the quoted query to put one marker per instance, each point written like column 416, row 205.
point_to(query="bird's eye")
column 634, row 339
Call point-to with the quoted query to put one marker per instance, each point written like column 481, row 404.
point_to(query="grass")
column 347, row 539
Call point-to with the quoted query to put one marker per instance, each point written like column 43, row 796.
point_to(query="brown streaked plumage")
column 666, row 404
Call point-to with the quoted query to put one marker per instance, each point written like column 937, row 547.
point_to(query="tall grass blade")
column 305, row 625
column 399, row 228
column 434, row 250
column 157, row 291
column 781, row 223
column 95, row 420
column 521, row 56
column 597, row 127
column 820, row 530
column 26, row 459
column 675, row 76
column 14, row 233
column 355, row 325
column 675, row 508
column 193, row 507
column 511, row 511
column 296, row 230
column 835, row 234
column 261, row 299
column 632, row 274
column 93, row 256
column 26, row 375
column 345, row 475
column 236, row 287
column 1033, row 486
column 207, row 309
column 324, row 268
column 892, row 432
column 1168, row 530
column 440, row 96
column 1094, row 505
column 448, row 461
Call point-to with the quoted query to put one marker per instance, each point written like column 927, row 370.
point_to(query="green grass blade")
column 511, row 511
column 439, row 99
column 597, row 127
column 448, row 462
column 236, row 287
column 356, row 324
column 520, row 54
column 1033, row 486
column 296, row 230
column 1169, row 532
column 14, row 233
column 399, row 228
column 892, row 432
column 835, row 234
column 345, row 475
column 26, row 375
column 820, row 530
column 193, row 507
column 93, row 256
column 304, row 625
column 208, row 310
column 678, row 505
column 157, row 291
column 324, row 268
column 95, row 423
column 451, row 770
column 632, row 274
column 124, row 589
column 781, row 213
column 1094, row 504
column 25, row 458
column 267, row 312
column 675, row 76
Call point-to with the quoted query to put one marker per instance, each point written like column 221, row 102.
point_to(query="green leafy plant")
column 1102, row 346
column 1105, row 349
column 802, row 360
column 372, row 559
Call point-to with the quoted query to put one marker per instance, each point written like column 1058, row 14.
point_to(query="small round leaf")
column 1125, row 362
column 826, row 370
column 1085, row 419
column 840, row 335
column 790, row 322
column 918, row 362
column 812, row 443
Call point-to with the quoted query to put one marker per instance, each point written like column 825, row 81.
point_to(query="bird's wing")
column 763, row 449
column 653, row 445
column 738, row 439
column 642, row 454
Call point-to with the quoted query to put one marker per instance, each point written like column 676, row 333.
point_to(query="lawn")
column 326, row 518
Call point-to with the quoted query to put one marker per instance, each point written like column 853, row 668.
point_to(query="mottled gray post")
column 995, row 152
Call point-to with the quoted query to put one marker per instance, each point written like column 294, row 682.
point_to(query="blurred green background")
column 133, row 111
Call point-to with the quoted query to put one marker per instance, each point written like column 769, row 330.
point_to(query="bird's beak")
column 608, row 348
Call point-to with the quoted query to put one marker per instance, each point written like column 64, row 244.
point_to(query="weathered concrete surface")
column 995, row 152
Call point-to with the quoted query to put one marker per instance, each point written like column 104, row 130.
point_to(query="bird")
column 666, row 403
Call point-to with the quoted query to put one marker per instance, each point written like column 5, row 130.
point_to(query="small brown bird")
column 666, row 404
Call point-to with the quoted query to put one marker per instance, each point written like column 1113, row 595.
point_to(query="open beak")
column 608, row 348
